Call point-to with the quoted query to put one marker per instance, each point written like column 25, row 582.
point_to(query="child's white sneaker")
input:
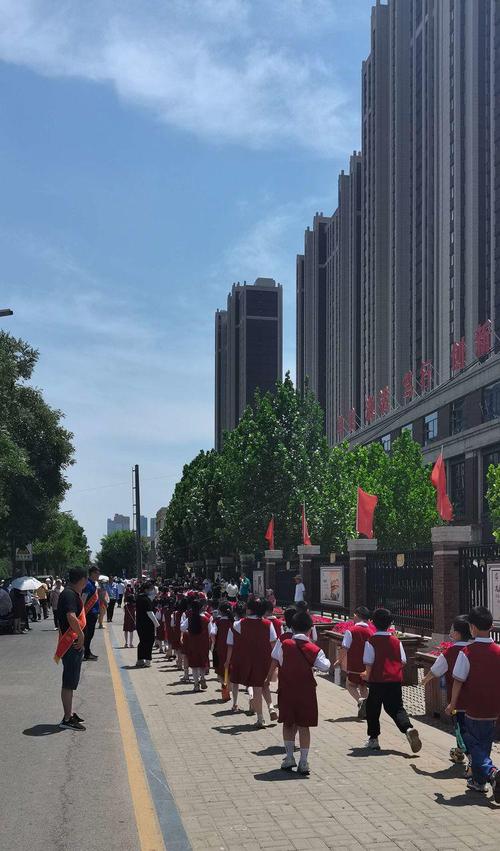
column 303, row 768
column 372, row 744
column 476, row 787
column 288, row 763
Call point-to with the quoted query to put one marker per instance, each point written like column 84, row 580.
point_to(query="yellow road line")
column 148, row 828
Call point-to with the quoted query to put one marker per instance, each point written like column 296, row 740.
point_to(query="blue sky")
column 151, row 153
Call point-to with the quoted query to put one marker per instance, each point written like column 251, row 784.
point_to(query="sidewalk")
column 231, row 794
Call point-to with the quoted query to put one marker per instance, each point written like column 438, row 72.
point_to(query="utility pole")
column 137, row 502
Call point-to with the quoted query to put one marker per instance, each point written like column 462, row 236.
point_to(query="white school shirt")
column 237, row 628
column 369, row 651
column 462, row 665
column 321, row 663
column 213, row 625
column 347, row 640
column 440, row 666
column 299, row 592
column 184, row 623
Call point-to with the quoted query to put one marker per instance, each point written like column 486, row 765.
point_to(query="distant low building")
column 120, row 523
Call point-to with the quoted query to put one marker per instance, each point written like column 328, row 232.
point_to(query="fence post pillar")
column 358, row 550
column 306, row 554
column 270, row 559
column 446, row 543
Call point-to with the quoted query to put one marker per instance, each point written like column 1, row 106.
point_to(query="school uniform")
column 196, row 646
column 129, row 615
column 297, row 701
column 443, row 667
column 354, row 642
column 278, row 625
column 219, row 629
column 478, row 668
column 175, row 623
column 386, row 654
column 251, row 658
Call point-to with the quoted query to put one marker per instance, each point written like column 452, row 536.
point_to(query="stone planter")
column 435, row 695
column 323, row 639
column 410, row 643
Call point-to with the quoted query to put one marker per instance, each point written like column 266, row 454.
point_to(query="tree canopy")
column 62, row 546
column 276, row 459
column 117, row 556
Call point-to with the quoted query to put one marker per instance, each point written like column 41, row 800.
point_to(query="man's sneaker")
column 495, row 784
column 185, row 679
column 303, row 768
column 77, row 718
column 147, row 663
column 273, row 715
column 260, row 723
column 372, row 744
column 475, row 787
column 196, row 687
column 91, row 657
column 203, row 685
column 414, row 740
column 457, row 755
column 140, row 663
column 288, row 763
column 362, row 709
column 71, row 724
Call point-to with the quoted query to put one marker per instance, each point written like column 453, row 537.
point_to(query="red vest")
column 278, row 625
column 360, row 635
column 387, row 667
column 480, row 694
column 223, row 626
column 285, row 633
column 451, row 656
column 299, row 657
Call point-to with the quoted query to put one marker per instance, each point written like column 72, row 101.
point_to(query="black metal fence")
column 473, row 576
column 406, row 590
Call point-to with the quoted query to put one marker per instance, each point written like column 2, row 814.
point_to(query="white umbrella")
column 104, row 578
column 26, row 583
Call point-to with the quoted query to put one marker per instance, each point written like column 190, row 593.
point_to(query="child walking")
column 196, row 642
column 249, row 657
column 477, row 690
column 219, row 629
column 178, row 615
column 443, row 667
column 351, row 658
column 384, row 657
column 129, row 616
column 297, row 702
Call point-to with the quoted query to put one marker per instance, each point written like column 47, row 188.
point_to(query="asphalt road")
column 60, row 790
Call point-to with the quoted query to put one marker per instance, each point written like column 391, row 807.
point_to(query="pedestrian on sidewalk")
column 90, row 590
column 351, row 657
column 219, row 629
column 477, row 690
column 42, row 593
column 385, row 658
column 249, row 657
column 300, row 589
column 71, row 616
column 146, row 624
column 129, row 616
column 295, row 659
column 196, row 642
column 245, row 588
column 232, row 591
column 112, row 592
column 443, row 667
column 54, row 600
column 120, row 590
column 288, row 616
column 103, row 597
column 177, row 637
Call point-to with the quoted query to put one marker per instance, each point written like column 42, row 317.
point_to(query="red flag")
column 438, row 479
column 367, row 504
column 305, row 531
column 269, row 536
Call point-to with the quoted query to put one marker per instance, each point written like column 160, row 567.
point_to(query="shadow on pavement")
column 448, row 773
column 381, row 752
column 271, row 750
column 224, row 712
column 346, row 718
column 278, row 774
column 42, row 730
column 466, row 799
column 133, row 668
column 213, row 702
column 238, row 729
column 178, row 693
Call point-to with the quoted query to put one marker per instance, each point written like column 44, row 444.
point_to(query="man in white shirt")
column 231, row 591
column 300, row 589
column 120, row 588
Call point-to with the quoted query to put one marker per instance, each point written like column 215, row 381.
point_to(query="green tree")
column 493, row 497
column 63, row 545
column 39, row 449
column 117, row 555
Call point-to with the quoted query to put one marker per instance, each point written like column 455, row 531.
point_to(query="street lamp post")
column 6, row 312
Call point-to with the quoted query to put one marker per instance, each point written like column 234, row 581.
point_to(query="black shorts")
column 72, row 665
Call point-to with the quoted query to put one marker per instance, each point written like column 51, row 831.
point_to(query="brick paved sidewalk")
column 225, row 777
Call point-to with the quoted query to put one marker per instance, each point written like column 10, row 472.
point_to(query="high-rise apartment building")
column 428, row 314
column 144, row 526
column 248, row 349
column 152, row 528
column 120, row 523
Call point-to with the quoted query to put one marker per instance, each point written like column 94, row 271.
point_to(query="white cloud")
column 225, row 70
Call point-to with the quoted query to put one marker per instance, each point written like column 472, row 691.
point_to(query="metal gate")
column 406, row 590
column 285, row 586
column 473, row 576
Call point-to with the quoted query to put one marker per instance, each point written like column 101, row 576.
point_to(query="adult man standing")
column 120, row 590
column 244, row 588
column 89, row 591
column 111, row 589
column 231, row 591
column 43, row 597
column 300, row 589
column 54, row 599
column 71, row 618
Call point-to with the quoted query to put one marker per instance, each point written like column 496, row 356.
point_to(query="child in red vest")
column 297, row 703
column 196, row 642
column 443, row 667
column 288, row 616
column 477, row 691
column 219, row 629
column 249, row 656
column 351, row 657
column 384, row 657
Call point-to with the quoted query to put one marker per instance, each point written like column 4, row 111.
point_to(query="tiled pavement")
column 226, row 782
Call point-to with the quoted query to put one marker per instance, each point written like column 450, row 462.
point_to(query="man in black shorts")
column 69, row 609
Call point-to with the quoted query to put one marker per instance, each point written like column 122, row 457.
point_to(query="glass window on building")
column 491, row 402
column 408, row 428
column 457, row 416
column 457, row 487
column 386, row 442
column 430, row 427
column 491, row 457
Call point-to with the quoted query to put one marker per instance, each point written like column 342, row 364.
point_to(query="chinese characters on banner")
column 384, row 401
column 458, row 355
column 482, row 339
column 369, row 409
column 426, row 375
column 340, row 428
column 408, row 389
column 352, row 419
